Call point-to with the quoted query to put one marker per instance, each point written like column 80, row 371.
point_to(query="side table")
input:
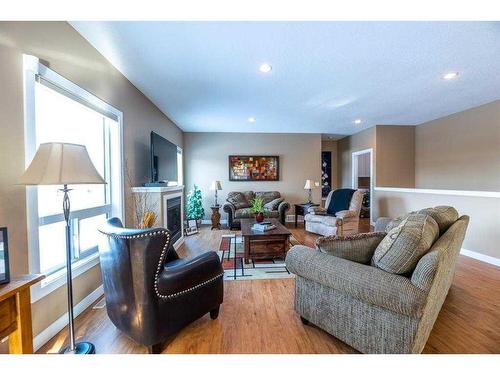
column 215, row 217
column 15, row 313
column 302, row 209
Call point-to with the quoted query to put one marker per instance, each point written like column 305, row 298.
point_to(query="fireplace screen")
column 174, row 219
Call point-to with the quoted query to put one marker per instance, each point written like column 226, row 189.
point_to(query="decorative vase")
column 259, row 217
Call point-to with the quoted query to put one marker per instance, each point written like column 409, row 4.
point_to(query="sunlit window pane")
column 61, row 119
column 52, row 244
column 88, row 235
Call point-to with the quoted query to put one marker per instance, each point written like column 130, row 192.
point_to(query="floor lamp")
column 64, row 164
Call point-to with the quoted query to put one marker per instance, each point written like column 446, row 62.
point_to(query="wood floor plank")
column 257, row 316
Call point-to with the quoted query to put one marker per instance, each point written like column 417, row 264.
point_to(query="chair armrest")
column 317, row 210
column 182, row 275
column 381, row 224
column 357, row 248
column 345, row 214
column 368, row 284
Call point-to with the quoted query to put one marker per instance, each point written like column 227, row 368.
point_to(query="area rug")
column 256, row 269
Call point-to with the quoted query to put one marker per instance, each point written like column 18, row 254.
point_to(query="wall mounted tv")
column 163, row 160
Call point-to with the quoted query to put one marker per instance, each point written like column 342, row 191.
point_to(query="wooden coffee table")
column 264, row 245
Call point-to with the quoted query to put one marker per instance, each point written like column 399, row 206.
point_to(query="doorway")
column 362, row 178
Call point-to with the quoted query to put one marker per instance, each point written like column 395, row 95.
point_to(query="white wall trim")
column 481, row 257
column 465, row 193
column 52, row 330
column 206, row 221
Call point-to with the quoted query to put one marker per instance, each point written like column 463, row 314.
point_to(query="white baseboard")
column 481, row 257
column 62, row 321
column 205, row 221
column 291, row 219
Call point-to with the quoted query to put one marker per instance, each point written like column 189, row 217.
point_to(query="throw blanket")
column 341, row 199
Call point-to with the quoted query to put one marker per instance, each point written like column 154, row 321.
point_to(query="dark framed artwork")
column 326, row 173
column 4, row 257
column 254, row 168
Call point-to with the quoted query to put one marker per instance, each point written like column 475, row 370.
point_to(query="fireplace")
column 170, row 201
column 174, row 218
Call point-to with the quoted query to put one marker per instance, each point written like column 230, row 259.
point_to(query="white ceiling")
column 205, row 75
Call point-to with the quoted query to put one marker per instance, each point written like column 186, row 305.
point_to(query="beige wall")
column 482, row 235
column 395, row 156
column 346, row 146
column 332, row 146
column 66, row 52
column 461, row 151
column 206, row 159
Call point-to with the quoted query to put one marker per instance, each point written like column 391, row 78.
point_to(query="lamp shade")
column 309, row 184
column 216, row 185
column 61, row 164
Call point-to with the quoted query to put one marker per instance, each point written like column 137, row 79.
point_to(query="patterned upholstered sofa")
column 344, row 222
column 237, row 206
column 380, row 292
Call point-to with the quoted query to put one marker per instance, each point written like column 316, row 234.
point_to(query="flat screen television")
column 163, row 160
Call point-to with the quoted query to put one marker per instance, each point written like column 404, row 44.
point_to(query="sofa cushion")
column 445, row 216
column 402, row 248
column 267, row 196
column 245, row 213
column 273, row 205
column 329, row 220
column 239, row 199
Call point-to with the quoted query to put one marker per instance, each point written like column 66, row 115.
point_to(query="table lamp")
column 310, row 184
column 64, row 164
column 215, row 186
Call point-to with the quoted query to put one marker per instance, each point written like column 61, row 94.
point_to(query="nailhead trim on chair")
column 160, row 263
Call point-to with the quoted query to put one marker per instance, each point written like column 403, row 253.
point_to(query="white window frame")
column 34, row 70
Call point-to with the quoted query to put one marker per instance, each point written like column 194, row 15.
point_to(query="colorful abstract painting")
column 253, row 168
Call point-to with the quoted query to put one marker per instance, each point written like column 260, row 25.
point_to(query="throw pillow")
column 237, row 199
column 273, row 205
column 445, row 216
column 404, row 245
column 357, row 248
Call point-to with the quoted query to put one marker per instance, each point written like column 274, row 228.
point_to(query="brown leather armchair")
column 150, row 292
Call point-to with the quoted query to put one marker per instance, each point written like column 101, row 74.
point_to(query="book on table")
column 263, row 227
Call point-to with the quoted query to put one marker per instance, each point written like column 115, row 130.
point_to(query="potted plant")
column 257, row 208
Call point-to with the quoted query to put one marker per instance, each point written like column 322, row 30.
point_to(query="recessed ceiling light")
column 451, row 75
column 357, row 121
column 265, row 68
column 251, row 119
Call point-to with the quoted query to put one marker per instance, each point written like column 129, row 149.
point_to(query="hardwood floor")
column 257, row 316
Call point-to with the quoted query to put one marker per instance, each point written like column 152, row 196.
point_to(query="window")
column 59, row 111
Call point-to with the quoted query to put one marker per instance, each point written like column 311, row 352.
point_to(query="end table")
column 302, row 209
column 215, row 217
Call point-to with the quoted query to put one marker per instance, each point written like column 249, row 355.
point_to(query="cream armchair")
column 344, row 222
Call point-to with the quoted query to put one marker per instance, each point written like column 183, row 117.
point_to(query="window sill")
column 58, row 279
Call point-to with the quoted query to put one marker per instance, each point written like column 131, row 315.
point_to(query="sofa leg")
column 155, row 349
column 304, row 321
column 214, row 313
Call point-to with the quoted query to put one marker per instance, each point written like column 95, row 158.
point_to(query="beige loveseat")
column 344, row 222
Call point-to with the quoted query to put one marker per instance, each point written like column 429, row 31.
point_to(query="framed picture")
column 254, row 168
column 4, row 257
column 191, row 228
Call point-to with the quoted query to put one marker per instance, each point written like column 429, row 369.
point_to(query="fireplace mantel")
column 161, row 195
column 166, row 189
